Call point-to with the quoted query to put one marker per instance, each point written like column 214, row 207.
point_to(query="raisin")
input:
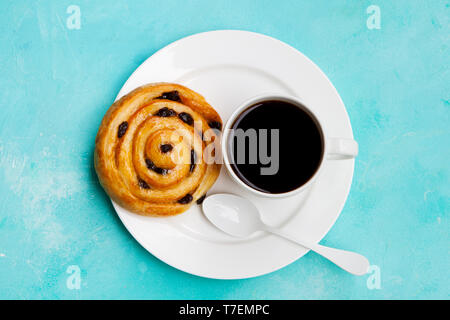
column 215, row 125
column 171, row 95
column 161, row 171
column 186, row 118
column 122, row 129
column 201, row 199
column 193, row 160
column 151, row 166
column 165, row 112
column 166, row 148
column 186, row 199
column 143, row 184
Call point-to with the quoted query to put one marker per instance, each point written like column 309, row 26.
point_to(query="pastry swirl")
column 155, row 149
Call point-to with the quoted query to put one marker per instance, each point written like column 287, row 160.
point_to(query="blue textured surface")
column 56, row 84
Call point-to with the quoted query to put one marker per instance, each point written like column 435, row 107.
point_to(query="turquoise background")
column 56, row 84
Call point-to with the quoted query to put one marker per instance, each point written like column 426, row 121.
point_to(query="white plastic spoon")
column 240, row 218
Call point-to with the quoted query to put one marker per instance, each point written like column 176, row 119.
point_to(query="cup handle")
column 340, row 149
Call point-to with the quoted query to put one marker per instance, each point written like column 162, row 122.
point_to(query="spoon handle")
column 349, row 261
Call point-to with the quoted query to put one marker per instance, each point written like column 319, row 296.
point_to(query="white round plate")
column 228, row 67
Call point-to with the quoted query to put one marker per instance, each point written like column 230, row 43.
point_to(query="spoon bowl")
column 233, row 215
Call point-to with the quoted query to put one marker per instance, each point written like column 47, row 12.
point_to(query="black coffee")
column 275, row 162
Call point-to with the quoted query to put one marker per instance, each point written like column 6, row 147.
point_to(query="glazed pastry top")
column 155, row 150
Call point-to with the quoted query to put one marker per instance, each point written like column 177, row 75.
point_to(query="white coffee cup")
column 334, row 148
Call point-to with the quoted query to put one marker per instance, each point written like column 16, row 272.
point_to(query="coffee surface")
column 299, row 151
